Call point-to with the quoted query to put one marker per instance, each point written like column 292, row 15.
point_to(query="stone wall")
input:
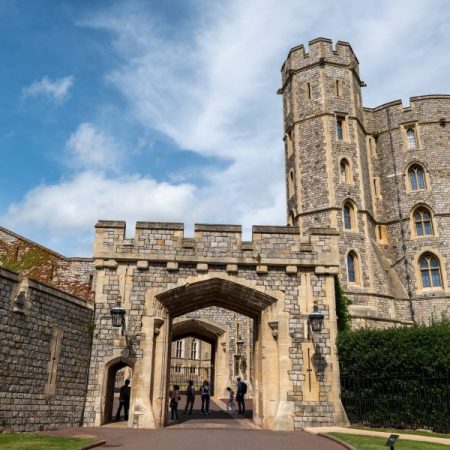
column 46, row 336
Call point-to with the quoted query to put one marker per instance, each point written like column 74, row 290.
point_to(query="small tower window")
column 423, row 223
column 349, row 216
column 416, row 178
column 291, row 183
column 291, row 219
column 411, row 138
column 344, row 171
column 338, row 89
column 308, row 91
column 353, row 273
column 340, row 128
column 430, row 271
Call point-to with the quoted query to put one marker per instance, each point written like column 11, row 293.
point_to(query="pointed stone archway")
column 215, row 336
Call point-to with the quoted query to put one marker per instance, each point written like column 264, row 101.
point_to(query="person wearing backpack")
column 190, row 397
column 240, row 395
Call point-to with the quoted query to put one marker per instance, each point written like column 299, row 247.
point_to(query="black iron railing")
column 400, row 402
column 182, row 374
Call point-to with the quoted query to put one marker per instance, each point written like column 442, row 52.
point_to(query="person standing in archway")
column 205, row 392
column 124, row 400
column 240, row 395
column 174, row 399
column 190, row 397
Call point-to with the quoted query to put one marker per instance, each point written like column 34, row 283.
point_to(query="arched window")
column 349, row 216
column 344, row 171
column 291, row 183
column 194, row 349
column 353, row 273
column 340, row 129
column 179, row 349
column 411, row 138
column 423, row 222
column 416, row 178
column 430, row 271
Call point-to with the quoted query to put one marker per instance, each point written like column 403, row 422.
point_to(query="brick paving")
column 218, row 430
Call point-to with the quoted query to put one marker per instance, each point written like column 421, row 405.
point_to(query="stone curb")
column 94, row 444
column 337, row 440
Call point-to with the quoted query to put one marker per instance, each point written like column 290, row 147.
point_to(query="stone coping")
column 218, row 227
column 159, row 226
column 9, row 274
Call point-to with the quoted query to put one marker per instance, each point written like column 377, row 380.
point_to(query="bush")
column 398, row 377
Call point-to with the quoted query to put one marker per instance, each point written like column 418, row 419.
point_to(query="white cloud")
column 90, row 148
column 210, row 86
column 57, row 90
column 69, row 210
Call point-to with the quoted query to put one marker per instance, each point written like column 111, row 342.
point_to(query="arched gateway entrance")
column 166, row 282
column 236, row 297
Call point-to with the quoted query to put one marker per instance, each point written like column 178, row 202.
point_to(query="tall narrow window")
column 338, row 88
column 344, row 169
column 291, row 183
column 349, row 216
column 308, row 91
column 291, row 219
column 411, row 138
column 353, row 268
column 194, row 349
column 340, row 128
column 422, row 220
column 416, row 178
column 179, row 349
column 430, row 271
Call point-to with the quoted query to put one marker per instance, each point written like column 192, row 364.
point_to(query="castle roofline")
column 414, row 99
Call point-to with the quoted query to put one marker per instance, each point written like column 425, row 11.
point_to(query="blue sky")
column 167, row 111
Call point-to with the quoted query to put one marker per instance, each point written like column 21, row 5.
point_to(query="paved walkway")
column 218, row 431
column 411, row 437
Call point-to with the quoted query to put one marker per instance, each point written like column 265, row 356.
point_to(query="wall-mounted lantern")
column 315, row 319
column 118, row 315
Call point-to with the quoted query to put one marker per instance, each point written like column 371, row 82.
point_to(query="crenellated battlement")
column 321, row 51
column 423, row 108
column 215, row 244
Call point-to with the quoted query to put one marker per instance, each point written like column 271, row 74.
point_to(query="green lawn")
column 25, row 441
column 379, row 443
column 397, row 431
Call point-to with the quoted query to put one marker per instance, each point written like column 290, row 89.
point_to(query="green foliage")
column 379, row 443
column 342, row 302
column 399, row 377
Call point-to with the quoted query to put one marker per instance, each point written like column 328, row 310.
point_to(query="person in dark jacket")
column 240, row 395
column 205, row 392
column 124, row 400
column 190, row 397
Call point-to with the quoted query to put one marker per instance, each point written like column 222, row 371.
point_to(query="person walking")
column 205, row 393
column 230, row 402
column 124, row 400
column 190, row 397
column 174, row 399
column 240, row 395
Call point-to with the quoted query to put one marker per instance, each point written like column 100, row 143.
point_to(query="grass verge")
column 25, row 441
column 379, row 443
column 398, row 431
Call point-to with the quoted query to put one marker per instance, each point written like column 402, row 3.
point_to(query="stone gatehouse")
column 161, row 275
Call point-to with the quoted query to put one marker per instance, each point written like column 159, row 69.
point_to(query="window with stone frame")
column 178, row 368
column 194, row 346
column 291, row 183
column 179, row 348
column 411, row 138
column 340, row 128
column 423, row 222
column 349, row 216
column 308, row 91
column 353, row 271
column 416, row 176
column 338, row 88
column 344, row 171
column 430, row 271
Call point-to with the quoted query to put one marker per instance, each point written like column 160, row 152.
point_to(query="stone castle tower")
column 380, row 176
